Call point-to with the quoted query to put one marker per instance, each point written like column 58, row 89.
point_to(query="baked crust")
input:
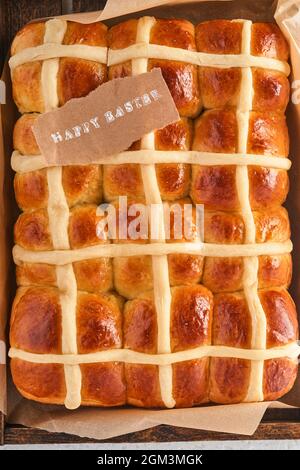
column 116, row 298
column 75, row 78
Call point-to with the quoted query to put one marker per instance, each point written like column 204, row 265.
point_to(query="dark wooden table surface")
column 15, row 13
column 277, row 424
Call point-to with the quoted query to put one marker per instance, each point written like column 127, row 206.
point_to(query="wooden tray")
column 276, row 424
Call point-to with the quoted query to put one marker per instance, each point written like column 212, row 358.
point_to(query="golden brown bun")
column 94, row 275
column 268, row 41
column 140, row 325
column 220, row 87
column 31, row 231
column 191, row 317
column 122, row 180
column 226, row 274
column 24, row 140
column 191, row 382
column 173, row 179
column 229, row 228
column 197, row 318
column 225, row 37
column 229, row 380
column 133, row 275
column 215, row 186
column 98, row 328
column 76, row 77
column 103, row 384
column 38, row 309
column 44, row 383
column 219, row 37
column 99, row 323
column 181, row 78
column 115, row 305
column 279, row 377
column 36, row 274
column 232, row 319
column 217, row 130
column 83, row 226
column 81, row 183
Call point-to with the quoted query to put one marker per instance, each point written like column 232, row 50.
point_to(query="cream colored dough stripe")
column 66, row 282
column 54, row 33
column 144, row 51
column 58, row 209
column 58, row 213
column 61, row 257
column 250, row 276
column 161, row 286
column 291, row 351
column 26, row 163
column 155, row 51
column 51, row 51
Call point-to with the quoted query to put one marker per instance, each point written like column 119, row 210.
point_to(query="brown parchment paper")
column 105, row 423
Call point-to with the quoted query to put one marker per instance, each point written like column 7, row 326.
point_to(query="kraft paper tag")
column 107, row 121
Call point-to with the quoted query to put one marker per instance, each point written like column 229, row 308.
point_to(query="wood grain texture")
column 276, row 424
column 88, row 5
column 265, row 431
column 16, row 13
